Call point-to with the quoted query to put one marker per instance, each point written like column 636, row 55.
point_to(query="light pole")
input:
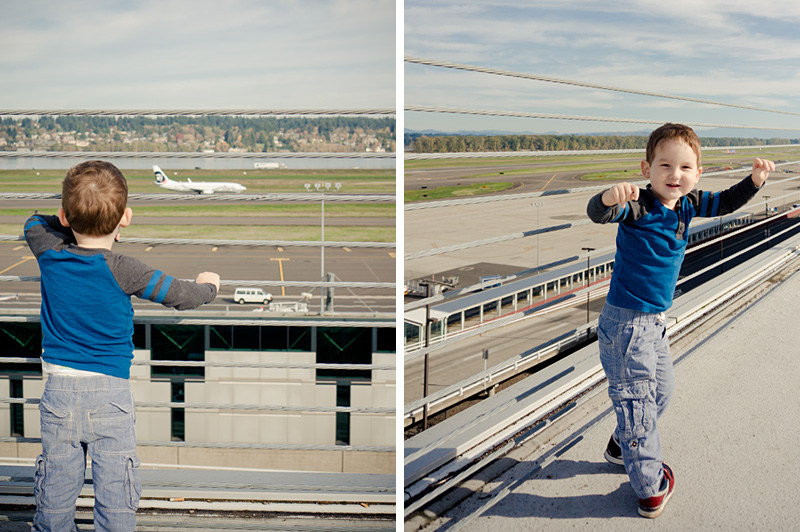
column 538, row 226
column 588, row 267
column 322, row 187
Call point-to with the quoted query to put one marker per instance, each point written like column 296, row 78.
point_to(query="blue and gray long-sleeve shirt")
column 87, row 316
column 651, row 241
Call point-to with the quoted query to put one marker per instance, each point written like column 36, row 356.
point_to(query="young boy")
column 651, row 240
column 87, row 326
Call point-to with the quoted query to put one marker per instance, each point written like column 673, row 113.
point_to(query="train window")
column 454, row 322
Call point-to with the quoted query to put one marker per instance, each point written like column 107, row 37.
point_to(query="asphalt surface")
column 234, row 263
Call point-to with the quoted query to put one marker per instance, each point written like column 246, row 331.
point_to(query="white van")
column 251, row 295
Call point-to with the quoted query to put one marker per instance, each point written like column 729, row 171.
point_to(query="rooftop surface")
column 730, row 435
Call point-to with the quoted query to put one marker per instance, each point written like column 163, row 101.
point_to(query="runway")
column 233, row 263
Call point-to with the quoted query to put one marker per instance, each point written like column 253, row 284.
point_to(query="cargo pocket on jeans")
column 38, row 481
column 56, row 429
column 133, row 487
column 634, row 419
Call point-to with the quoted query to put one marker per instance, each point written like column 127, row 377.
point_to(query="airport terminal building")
column 280, row 392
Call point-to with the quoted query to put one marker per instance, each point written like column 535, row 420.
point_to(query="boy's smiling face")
column 674, row 171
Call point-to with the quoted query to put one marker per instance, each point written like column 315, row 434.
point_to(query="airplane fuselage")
column 189, row 186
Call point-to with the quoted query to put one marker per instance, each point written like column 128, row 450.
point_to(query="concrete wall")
column 281, row 387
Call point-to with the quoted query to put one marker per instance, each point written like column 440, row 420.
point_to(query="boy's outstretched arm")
column 710, row 204
column 761, row 170
column 43, row 232
column 138, row 279
column 620, row 194
column 618, row 203
column 208, row 277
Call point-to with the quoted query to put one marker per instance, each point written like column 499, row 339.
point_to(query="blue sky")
column 208, row 54
column 732, row 51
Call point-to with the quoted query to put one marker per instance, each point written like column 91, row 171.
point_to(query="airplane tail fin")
column 161, row 177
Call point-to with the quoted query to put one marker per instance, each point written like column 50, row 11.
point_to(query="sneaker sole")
column 613, row 459
column 652, row 514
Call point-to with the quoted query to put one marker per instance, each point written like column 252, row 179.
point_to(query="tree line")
column 420, row 143
column 186, row 133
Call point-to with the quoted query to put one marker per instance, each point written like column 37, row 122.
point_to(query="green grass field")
column 257, row 182
column 593, row 167
column 455, row 192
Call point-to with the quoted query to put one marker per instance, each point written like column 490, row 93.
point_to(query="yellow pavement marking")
column 24, row 259
column 148, row 248
column 393, row 255
column 18, row 248
column 545, row 185
column 280, row 249
column 280, row 267
column 347, row 249
column 214, row 248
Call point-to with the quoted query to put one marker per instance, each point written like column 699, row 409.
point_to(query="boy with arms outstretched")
column 651, row 241
column 87, row 347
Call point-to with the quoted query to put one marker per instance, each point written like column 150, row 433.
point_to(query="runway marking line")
column 545, row 185
column 280, row 267
column 24, row 259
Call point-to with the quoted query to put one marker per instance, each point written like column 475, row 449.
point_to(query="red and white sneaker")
column 653, row 506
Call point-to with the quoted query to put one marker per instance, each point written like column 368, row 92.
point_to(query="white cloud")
column 202, row 53
column 729, row 51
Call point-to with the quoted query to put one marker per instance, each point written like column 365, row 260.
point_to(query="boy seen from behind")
column 87, row 328
column 651, row 240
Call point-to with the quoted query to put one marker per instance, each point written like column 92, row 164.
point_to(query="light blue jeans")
column 80, row 415
column 634, row 351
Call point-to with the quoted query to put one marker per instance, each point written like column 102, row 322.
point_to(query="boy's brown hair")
column 94, row 196
column 672, row 131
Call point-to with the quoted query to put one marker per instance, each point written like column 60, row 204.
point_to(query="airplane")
column 188, row 186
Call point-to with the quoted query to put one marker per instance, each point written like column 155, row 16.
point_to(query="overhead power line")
column 520, row 114
column 472, row 68
column 196, row 112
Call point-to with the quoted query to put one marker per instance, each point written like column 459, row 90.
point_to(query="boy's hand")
column 761, row 170
column 620, row 194
column 208, row 277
